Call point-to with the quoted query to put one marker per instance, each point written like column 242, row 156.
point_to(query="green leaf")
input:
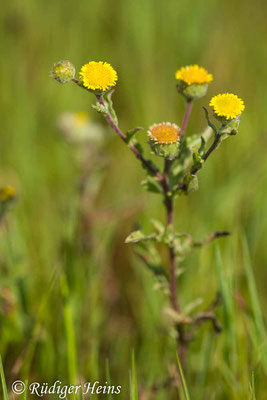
column 190, row 307
column 213, row 127
column 197, row 161
column 108, row 378
column 3, row 380
column 168, row 235
column 141, row 151
column 176, row 173
column 130, row 135
column 184, row 385
column 253, row 292
column 151, row 184
column 109, row 104
column 202, row 148
column 133, row 380
column 151, row 254
column 191, row 182
column 176, row 168
column 159, row 227
column 151, row 258
column 138, row 236
column 99, row 108
column 182, row 244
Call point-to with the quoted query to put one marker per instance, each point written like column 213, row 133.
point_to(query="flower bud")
column 63, row 71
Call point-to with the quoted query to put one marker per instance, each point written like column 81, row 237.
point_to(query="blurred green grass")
column 109, row 296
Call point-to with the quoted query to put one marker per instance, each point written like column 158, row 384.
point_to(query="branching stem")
column 217, row 140
column 213, row 147
column 151, row 168
column 168, row 201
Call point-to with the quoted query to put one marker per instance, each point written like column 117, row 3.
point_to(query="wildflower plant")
column 183, row 157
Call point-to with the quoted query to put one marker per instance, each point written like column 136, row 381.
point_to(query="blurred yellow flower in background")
column 7, row 193
column 81, row 118
column 78, row 128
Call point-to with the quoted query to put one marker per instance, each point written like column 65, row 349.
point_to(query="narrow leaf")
column 3, row 380
column 185, row 389
column 213, row 127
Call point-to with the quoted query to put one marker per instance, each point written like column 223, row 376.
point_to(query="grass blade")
column 108, row 379
column 252, row 387
column 133, row 380
column 26, row 389
column 253, row 293
column 3, row 380
column 185, row 389
column 260, row 330
column 70, row 333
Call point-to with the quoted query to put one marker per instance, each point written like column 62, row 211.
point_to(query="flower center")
column 164, row 133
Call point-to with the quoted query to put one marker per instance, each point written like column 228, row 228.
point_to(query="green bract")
column 193, row 91
column 229, row 126
column 169, row 151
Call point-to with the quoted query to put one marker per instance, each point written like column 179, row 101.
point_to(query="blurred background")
column 74, row 300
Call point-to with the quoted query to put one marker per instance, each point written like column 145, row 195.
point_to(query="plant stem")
column 213, row 147
column 151, row 168
column 189, row 105
column 168, row 201
column 183, row 186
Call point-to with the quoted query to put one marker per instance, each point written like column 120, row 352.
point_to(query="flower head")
column 164, row 133
column 193, row 74
column 164, row 139
column 227, row 105
column 98, row 76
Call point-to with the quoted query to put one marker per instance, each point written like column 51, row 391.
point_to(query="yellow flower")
column 193, row 74
column 227, row 105
column 165, row 133
column 98, row 76
column 7, row 193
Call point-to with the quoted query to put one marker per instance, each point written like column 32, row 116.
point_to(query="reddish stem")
column 116, row 128
column 189, row 105
column 173, row 265
column 169, row 207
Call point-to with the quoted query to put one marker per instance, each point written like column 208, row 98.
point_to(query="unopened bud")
column 63, row 71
